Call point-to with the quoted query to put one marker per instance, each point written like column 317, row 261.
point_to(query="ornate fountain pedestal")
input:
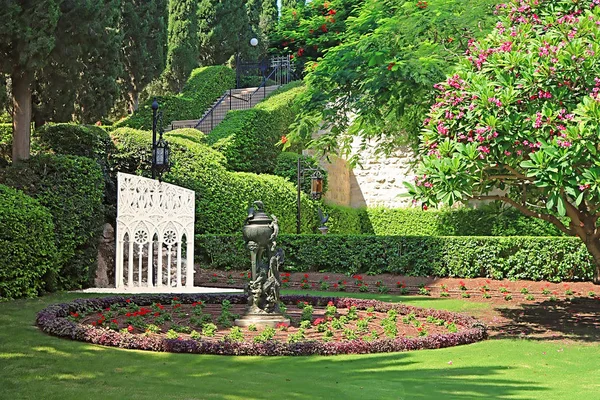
column 260, row 233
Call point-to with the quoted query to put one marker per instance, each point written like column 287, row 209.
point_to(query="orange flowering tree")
column 307, row 31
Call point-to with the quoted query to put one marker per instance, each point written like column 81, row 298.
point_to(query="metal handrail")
column 263, row 85
column 209, row 112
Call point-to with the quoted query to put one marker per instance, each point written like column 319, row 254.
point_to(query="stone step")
column 240, row 99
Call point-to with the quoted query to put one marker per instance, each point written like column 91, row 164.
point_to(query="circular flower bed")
column 203, row 324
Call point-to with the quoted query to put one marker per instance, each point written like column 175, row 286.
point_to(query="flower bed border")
column 53, row 321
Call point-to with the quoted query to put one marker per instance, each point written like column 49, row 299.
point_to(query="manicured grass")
column 37, row 366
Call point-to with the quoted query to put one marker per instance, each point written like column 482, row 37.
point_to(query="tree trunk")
column 593, row 247
column 134, row 101
column 21, row 86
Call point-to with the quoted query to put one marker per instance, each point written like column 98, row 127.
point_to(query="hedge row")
column 486, row 221
column 556, row 258
column 248, row 138
column 202, row 89
column 72, row 189
column 27, row 247
column 222, row 197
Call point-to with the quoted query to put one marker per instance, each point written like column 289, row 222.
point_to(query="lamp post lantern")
column 160, row 148
column 316, row 187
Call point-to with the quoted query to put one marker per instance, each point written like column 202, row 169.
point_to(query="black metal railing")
column 276, row 72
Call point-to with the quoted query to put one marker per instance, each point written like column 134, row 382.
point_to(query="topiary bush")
column 27, row 247
column 72, row 189
column 249, row 138
column 204, row 86
column 222, row 197
column 85, row 141
column 557, row 258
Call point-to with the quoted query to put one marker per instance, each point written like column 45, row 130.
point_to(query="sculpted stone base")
column 261, row 320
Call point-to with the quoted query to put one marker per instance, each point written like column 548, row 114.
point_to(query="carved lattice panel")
column 155, row 233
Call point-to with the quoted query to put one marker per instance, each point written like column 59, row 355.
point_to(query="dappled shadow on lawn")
column 35, row 365
column 576, row 319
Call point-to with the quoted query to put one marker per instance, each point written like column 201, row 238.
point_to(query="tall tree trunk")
column 593, row 247
column 134, row 101
column 21, row 86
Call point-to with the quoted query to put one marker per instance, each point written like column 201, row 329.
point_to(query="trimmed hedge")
column 71, row 188
column 533, row 258
column 486, row 221
column 202, row 89
column 27, row 247
column 248, row 138
column 222, row 197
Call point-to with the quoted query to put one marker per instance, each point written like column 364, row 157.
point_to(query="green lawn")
column 37, row 366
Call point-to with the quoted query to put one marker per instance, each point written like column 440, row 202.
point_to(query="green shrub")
column 5, row 144
column 286, row 166
column 27, row 247
column 85, row 141
column 557, row 258
column 248, row 138
column 486, row 221
column 222, row 197
column 204, row 86
column 343, row 220
column 71, row 188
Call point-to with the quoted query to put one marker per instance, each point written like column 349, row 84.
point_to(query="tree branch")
column 546, row 217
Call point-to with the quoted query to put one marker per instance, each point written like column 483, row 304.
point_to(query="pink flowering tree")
column 519, row 121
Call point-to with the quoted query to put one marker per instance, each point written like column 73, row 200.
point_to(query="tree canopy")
column 519, row 120
column 376, row 81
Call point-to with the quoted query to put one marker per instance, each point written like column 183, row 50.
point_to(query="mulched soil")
column 565, row 311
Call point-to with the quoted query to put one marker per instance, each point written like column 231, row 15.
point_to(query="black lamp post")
column 253, row 43
column 160, row 148
column 316, row 187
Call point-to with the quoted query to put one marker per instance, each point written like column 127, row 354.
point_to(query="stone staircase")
column 234, row 99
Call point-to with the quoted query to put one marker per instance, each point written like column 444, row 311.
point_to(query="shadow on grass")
column 34, row 365
column 576, row 319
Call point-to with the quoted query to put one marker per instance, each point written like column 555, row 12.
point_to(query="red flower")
column 130, row 328
column 332, row 12
column 107, row 309
column 175, row 298
column 93, row 323
column 177, row 306
column 330, row 304
column 114, row 321
column 318, row 321
column 390, row 66
column 335, row 285
column 325, row 277
column 128, row 314
column 128, row 301
column 156, row 314
column 306, row 275
column 75, row 315
column 300, row 51
column 424, row 207
column 323, row 28
column 422, row 4
column 214, row 274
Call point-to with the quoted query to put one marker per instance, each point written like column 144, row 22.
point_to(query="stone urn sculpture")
column 260, row 232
